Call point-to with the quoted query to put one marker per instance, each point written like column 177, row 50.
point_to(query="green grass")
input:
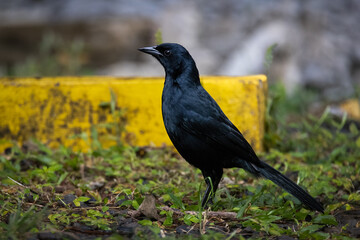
column 321, row 154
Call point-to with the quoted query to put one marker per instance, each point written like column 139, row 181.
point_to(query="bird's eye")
column 167, row 53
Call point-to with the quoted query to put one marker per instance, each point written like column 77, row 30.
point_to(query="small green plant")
column 114, row 129
column 158, row 37
column 269, row 57
column 97, row 218
column 48, row 174
column 20, row 222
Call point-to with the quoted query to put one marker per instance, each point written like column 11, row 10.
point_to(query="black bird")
column 201, row 132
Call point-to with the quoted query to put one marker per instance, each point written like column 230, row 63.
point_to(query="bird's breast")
column 172, row 109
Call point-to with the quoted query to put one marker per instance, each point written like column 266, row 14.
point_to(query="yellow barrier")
column 56, row 110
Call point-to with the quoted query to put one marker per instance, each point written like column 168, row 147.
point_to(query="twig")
column 222, row 215
column 17, row 182
column 21, row 185
column 203, row 223
column 34, row 204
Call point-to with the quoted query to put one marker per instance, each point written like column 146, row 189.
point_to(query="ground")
column 128, row 192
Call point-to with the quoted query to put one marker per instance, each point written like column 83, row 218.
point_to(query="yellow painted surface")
column 352, row 108
column 63, row 110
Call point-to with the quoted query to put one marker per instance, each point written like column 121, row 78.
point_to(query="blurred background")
column 317, row 42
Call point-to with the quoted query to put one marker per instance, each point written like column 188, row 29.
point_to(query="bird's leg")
column 212, row 179
column 208, row 195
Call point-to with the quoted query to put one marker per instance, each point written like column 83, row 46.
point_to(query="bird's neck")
column 186, row 76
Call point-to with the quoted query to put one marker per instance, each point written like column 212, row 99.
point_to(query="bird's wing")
column 218, row 130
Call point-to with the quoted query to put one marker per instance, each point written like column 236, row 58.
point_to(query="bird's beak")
column 151, row 50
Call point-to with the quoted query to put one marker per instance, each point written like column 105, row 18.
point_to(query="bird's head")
column 173, row 57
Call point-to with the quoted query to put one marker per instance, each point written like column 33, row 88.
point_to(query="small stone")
column 148, row 208
column 29, row 198
column 308, row 218
column 8, row 151
column 78, row 192
column 68, row 200
column 47, row 189
column 59, row 189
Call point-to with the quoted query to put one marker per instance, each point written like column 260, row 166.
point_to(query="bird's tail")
column 288, row 185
